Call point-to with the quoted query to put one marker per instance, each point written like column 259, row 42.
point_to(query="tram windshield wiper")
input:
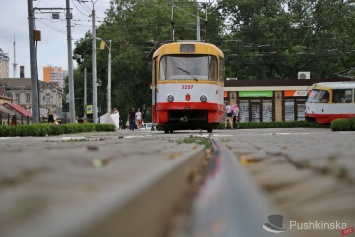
column 187, row 72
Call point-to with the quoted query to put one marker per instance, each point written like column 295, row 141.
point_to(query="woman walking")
column 138, row 118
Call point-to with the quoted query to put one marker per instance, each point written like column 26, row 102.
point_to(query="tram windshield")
column 318, row 96
column 188, row 67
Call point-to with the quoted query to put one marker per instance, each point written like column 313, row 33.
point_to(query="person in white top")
column 235, row 109
column 139, row 118
column 229, row 112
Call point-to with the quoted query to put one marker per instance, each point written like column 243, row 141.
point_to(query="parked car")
column 147, row 126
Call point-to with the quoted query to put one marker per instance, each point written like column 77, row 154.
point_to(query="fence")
column 13, row 119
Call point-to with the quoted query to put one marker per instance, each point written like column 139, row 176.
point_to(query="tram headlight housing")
column 170, row 98
column 203, row 98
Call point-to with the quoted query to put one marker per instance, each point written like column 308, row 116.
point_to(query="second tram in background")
column 331, row 100
column 187, row 86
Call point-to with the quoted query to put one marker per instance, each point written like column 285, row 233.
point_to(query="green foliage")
column 198, row 140
column 40, row 130
column 343, row 125
column 272, row 41
column 291, row 124
column 261, row 39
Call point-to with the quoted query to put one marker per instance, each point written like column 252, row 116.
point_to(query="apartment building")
column 55, row 74
column 4, row 64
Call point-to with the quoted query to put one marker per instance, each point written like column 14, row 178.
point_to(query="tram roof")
column 334, row 85
column 176, row 45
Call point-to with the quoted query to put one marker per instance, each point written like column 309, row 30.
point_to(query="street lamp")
column 102, row 46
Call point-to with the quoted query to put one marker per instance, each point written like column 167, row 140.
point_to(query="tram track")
column 145, row 203
column 139, row 207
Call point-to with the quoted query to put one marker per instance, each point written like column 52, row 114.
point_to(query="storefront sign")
column 295, row 93
column 255, row 94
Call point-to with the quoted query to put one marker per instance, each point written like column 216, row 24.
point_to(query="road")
column 307, row 174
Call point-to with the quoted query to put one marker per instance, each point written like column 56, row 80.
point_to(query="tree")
column 136, row 28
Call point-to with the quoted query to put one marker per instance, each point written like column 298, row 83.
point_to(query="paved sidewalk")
column 43, row 179
column 309, row 174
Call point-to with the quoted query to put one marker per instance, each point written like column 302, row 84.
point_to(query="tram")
column 187, row 86
column 329, row 101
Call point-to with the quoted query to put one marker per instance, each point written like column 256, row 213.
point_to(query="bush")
column 291, row 124
column 343, row 124
column 43, row 129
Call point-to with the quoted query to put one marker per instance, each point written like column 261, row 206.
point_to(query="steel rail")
column 229, row 203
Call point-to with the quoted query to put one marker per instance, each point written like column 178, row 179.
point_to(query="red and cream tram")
column 331, row 100
column 187, row 86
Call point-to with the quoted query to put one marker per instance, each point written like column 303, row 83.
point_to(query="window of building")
column 244, row 110
column 17, row 98
column 267, row 110
column 289, row 110
column 28, row 98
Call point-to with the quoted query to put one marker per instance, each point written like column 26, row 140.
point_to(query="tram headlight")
column 203, row 98
column 170, row 98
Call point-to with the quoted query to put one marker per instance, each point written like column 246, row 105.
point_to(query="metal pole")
column 94, row 73
column 34, row 89
column 85, row 94
column 70, row 65
column 198, row 36
column 109, row 80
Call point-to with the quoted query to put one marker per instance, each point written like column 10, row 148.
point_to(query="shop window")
column 289, row 110
column 244, row 111
column 267, row 111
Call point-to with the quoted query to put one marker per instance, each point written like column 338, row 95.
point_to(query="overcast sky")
column 52, row 49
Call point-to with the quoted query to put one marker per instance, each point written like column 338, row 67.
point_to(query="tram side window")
column 342, row 96
column 163, row 69
column 348, row 96
column 324, row 97
column 212, row 68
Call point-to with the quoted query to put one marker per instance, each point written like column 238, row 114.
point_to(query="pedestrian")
column 139, row 119
column 235, row 109
column 132, row 119
column 228, row 111
column 114, row 111
column 13, row 120
column 50, row 116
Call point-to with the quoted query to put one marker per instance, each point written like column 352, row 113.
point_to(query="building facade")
column 4, row 64
column 55, row 74
column 19, row 89
column 270, row 100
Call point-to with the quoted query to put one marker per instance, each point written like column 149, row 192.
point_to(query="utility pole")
column 102, row 46
column 198, row 30
column 109, row 80
column 70, row 65
column 85, row 93
column 94, row 72
column 34, row 77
